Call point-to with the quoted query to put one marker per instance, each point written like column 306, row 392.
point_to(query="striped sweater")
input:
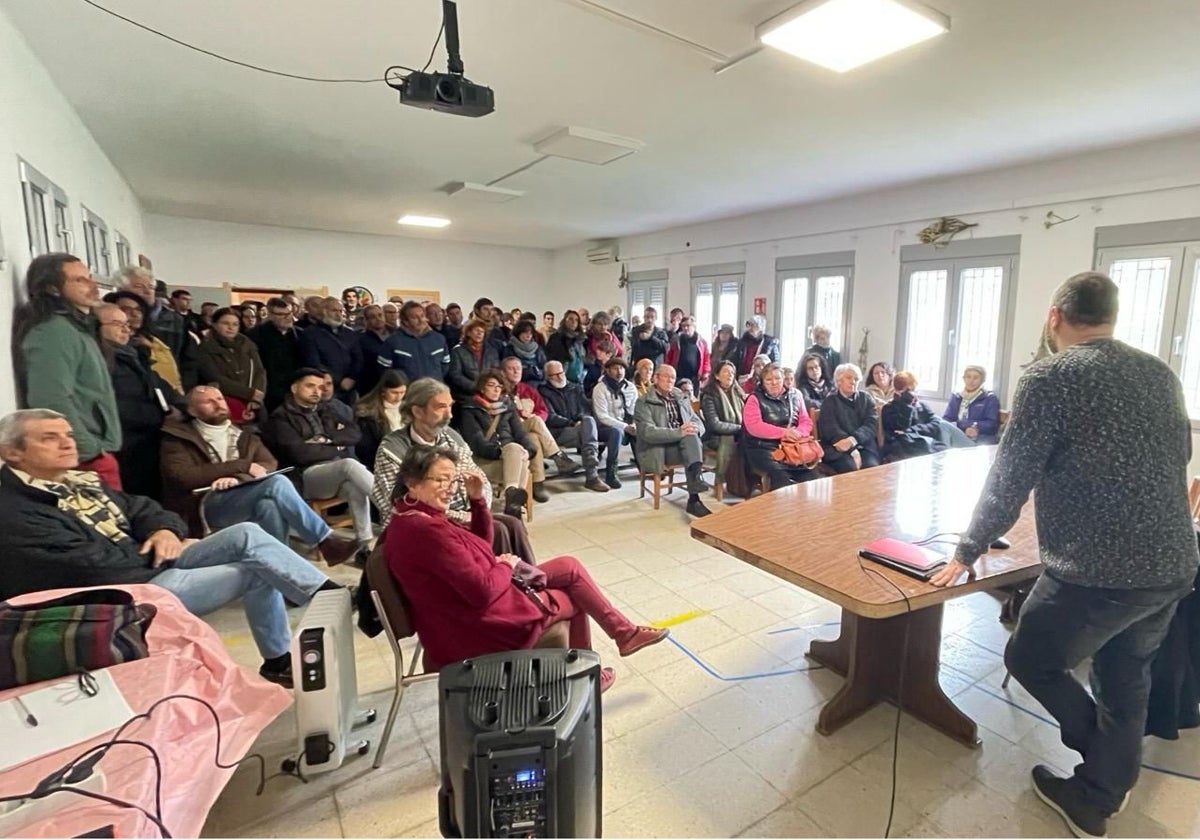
column 1100, row 433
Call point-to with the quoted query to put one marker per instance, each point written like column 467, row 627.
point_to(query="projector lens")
column 447, row 90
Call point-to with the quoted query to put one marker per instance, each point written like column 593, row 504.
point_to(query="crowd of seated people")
column 153, row 433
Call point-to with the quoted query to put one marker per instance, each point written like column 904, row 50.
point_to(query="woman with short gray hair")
column 848, row 426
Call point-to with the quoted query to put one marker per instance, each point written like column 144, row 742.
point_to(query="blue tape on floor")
column 1166, row 771
column 742, row 678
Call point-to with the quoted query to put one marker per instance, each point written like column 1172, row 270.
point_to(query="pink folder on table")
column 914, row 560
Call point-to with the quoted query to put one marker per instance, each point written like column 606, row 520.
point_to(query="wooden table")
column 809, row 535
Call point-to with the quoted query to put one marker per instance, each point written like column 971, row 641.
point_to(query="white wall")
column 40, row 126
column 196, row 254
column 1147, row 182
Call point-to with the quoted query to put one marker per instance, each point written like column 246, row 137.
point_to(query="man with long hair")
column 58, row 361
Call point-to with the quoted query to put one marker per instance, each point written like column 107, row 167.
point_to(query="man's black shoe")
column 1057, row 792
column 514, row 501
column 697, row 508
column 610, row 478
column 271, row 672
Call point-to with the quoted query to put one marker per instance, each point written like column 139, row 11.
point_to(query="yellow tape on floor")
column 679, row 619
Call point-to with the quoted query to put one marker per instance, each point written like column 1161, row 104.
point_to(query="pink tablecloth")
column 186, row 657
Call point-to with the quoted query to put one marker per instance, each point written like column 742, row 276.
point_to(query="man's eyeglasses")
column 121, row 325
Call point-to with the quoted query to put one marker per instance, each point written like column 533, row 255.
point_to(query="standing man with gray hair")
column 165, row 322
column 1100, row 432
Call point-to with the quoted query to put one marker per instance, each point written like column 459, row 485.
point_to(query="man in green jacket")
column 61, row 365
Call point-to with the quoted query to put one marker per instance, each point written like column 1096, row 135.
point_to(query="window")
column 717, row 297
column 813, row 290
column 124, row 250
column 95, row 241
column 1159, row 283
column 956, row 310
column 46, row 218
column 648, row 288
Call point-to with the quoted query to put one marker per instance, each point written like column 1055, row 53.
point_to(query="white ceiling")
column 1014, row 80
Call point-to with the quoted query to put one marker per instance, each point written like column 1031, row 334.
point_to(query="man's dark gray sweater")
column 1100, row 431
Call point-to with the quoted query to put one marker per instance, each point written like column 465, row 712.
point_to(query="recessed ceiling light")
column 844, row 34
column 423, row 221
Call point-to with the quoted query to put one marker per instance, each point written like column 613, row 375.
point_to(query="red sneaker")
column 642, row 637
column 607, row 677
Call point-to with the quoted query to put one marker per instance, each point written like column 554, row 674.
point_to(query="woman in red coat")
column 464, row 599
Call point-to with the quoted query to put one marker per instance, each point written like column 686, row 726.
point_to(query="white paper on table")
column 65, row 715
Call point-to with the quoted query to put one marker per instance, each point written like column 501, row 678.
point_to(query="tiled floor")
column 690, row 750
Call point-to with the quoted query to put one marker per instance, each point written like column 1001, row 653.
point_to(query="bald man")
column 206, row 452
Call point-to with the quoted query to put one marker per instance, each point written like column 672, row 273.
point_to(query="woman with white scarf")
column 975, row 409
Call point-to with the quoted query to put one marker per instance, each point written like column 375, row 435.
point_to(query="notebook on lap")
column 914, row 560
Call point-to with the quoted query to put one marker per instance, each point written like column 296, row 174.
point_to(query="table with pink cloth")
column 186, row 657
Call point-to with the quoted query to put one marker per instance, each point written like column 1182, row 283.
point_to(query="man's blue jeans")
column 273, row 503
column 1061, row 624
column 243, row 561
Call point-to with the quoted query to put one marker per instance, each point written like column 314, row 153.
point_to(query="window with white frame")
column 124, row 250
column 648, row 288
column 46, row 218
column 717, row 297
column 1159, row 283
column 956, row 310
column 812, row 290
column 95, row 241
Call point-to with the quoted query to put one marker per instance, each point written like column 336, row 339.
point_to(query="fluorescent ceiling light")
column 423, row 221
column 844, row 34
column 587, row 145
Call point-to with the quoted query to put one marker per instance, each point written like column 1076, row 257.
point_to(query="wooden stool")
column 656, row 481
column 321, row 508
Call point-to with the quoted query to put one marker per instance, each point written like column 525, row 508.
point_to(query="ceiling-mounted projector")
column 449, row 92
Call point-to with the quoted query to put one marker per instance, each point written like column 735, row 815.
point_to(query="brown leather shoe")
column 336, row 550
column 642, row 637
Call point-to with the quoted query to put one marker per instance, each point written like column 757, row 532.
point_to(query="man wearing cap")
column 755, row 342
column 613, row 402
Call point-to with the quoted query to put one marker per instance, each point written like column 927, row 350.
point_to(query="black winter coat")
column 465, row 369
column 651, row 347
column 475, row 423
column 290, row 426
column 565, row 405
column 910, row 427
column 47, row 548
column 142, row 416
column 280, row 355
column 841, row 418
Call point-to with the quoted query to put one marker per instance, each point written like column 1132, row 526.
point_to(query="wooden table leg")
column 870, row 652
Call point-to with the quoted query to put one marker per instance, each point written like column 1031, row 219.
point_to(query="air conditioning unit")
column 326, row 685
column 604, row 254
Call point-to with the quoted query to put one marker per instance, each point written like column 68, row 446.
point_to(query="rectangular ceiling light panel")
column 587, row 145
column 423, row 221
column 844, row 34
